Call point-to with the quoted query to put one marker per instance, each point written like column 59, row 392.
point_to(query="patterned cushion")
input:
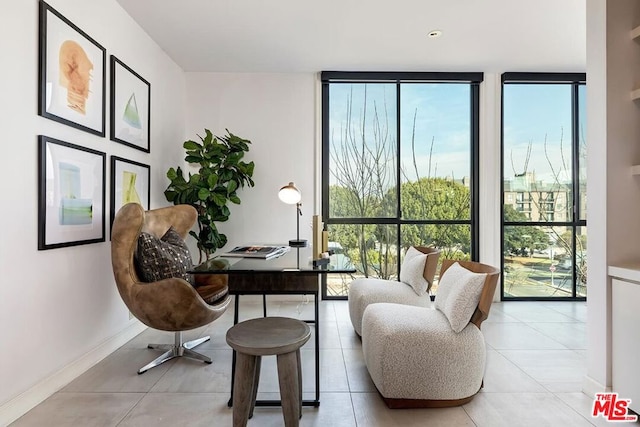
column 412, row 270
column 163, row 258
column 458, row 295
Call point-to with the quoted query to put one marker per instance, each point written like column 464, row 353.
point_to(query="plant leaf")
column 191, row 145
column 193, row 159
column 170, row 195
column 218, row 199
column 172, row 174
column 208, row 139
column 203, row 194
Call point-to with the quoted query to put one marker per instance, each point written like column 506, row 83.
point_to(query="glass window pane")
column 363, row 150
column 436, row 199
column 537, row 152
column 581, row 261
column 435, row 145
column 370, row 248
column 538, row 261
column 453, row 240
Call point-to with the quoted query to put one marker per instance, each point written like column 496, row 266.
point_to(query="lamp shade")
column 290, row 194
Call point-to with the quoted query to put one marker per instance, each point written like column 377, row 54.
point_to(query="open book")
column 257, row 251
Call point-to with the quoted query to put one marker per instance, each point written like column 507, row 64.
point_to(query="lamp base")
column 298, row 243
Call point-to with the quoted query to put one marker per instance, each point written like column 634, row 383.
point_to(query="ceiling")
column 367, row 35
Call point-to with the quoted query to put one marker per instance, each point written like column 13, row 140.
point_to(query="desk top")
column 297, row 260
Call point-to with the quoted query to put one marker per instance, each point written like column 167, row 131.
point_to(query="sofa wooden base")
column 424, row 403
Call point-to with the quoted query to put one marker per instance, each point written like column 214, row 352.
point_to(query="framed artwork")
column 130, row 107
column 71, row 194
column 130, row 182
column 71, row 72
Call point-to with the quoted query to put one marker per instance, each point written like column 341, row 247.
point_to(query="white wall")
column 613, row 132
column 277, row 113
column 57, row 306
column 598, row 302
column 490, row 173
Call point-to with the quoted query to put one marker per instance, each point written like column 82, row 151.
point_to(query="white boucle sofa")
column 414, row 355
column 365, row 291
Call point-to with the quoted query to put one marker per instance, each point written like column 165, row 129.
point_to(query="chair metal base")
column 177, row 349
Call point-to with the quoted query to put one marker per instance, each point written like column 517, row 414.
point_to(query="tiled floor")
column 535, row 367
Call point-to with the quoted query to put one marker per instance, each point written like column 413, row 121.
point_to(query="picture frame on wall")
column 71, row 194
column 130, row 183
column 71, row 74
column 130, row 110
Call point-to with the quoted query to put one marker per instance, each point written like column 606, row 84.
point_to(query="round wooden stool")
column 268, row 336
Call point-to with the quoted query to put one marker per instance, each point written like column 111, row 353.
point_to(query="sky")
column 533, row 112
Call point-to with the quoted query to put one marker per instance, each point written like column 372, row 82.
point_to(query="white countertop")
column 627, row 271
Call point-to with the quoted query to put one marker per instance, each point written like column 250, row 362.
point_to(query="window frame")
column 473, row 79
column 576, row 80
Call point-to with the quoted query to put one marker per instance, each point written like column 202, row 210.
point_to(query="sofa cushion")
column 368, row 290
column 163, row 258
column 458, row 295
column 412, row 270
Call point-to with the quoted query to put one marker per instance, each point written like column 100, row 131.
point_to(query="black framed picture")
column 130, row 183
column 71, row 69
column 130, row 107
column 71, row 194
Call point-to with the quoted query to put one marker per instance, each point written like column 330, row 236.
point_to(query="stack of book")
column 257, row 251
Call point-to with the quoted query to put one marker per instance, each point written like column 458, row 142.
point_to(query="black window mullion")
column 325, row 151
column 475, row 171
column 575, row 116
column 398, row 175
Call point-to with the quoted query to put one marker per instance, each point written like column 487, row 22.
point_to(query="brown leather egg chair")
column 170, row 304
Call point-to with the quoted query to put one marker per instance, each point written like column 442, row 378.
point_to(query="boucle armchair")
column 432, row 356
column 171, row 304
column 365, row 291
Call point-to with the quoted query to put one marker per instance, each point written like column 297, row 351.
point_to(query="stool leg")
column 243, row 389
column 299, row 363
column 256, row 378
column 289, row 393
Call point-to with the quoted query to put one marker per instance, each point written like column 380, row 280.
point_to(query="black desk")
column 292, row 273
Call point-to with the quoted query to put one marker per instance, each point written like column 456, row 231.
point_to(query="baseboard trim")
column 24, row 402
column 590, row 387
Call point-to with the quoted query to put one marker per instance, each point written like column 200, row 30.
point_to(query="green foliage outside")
column 221, row 174
column 373, row 247
column 522, row 240
column 437, row 199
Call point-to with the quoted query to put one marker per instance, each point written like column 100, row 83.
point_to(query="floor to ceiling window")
column 544, row 216
column 400, row 168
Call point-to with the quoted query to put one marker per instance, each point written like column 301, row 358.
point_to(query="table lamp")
column 290, row 195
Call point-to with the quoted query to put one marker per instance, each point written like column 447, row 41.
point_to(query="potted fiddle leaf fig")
column 221, row 174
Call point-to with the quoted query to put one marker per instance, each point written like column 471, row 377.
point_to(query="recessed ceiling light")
column 434, row 34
